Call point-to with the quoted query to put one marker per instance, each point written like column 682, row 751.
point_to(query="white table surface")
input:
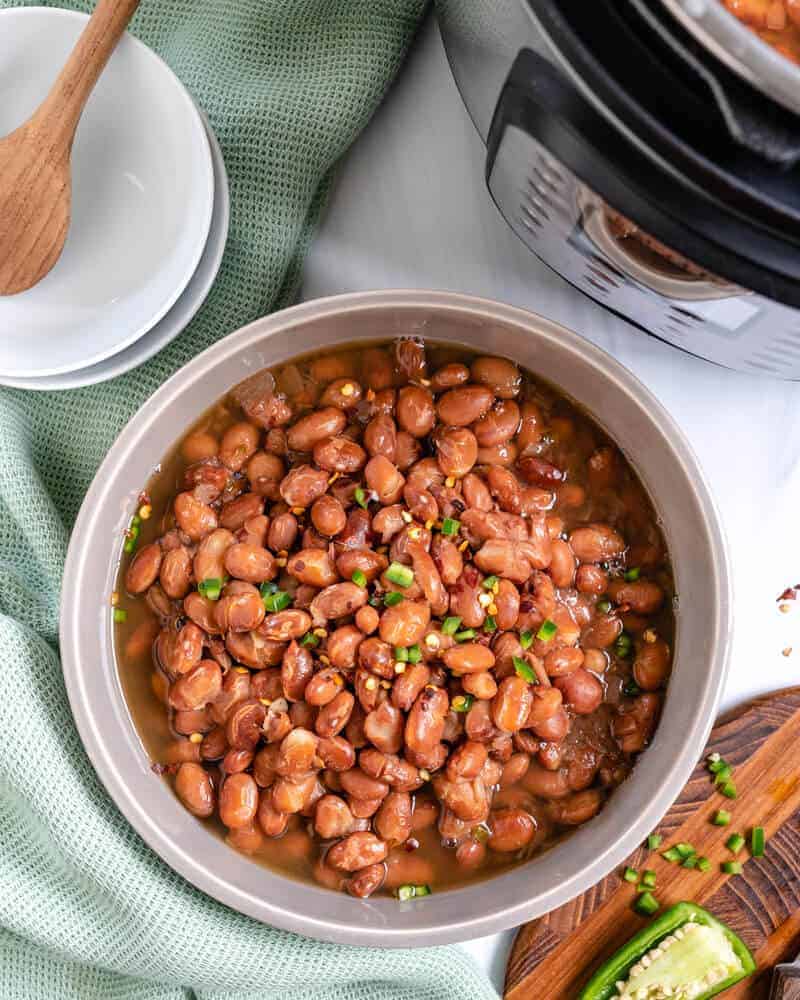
column 410, row 209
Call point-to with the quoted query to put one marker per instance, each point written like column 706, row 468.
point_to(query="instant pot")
column 649, row 152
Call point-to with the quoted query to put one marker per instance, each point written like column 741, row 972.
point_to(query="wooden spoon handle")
column 61, row 110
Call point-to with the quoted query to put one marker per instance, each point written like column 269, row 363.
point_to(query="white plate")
column 143, row 192
column 179, row 315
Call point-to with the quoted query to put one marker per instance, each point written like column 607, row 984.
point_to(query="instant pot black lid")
column 642, row 126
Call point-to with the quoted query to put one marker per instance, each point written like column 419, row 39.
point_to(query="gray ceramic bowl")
column 650, row 440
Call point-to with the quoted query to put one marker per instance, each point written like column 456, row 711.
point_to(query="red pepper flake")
column 790, row 594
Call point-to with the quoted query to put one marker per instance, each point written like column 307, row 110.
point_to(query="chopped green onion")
column 603, row 606
column 210, row 588
column 465, row 635
column 526, row 639
column 713, row 758
column 649, row 878
column 267, row 588
column 450, row 526
column 490, row 625
column 399, row 574
column 277, row 601
column 715, row 763
column 481, row 833
column 547, row 630
column 646, row 904
column 489, row 582
column 732, row 867
column 672, row 854
column 703, row 864
column 392, row 598
column 524, row 670
column 685, row 850
column 462, row 703
column 630, row 688
column 722, row 773
column 630, row 875
column 359, row 578
column 120, row 615
column 401, row 654
column 450, row 626
column 721, row 817
column 690, row 862
column 374, row 601
column 361, row 497
column 623, row 646
column 135, row 521
column 729, row 790
column 414, row 653
column 406, row 892
column 654, row 841
column 735, row 843
column 632, row 574
column 309, row 639
column 757, row 841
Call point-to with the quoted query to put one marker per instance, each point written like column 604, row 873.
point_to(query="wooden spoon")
column 35, row 183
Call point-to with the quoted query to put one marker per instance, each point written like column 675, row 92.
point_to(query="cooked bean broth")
column 396, row 747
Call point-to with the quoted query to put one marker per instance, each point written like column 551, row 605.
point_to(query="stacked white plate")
column 150, row 211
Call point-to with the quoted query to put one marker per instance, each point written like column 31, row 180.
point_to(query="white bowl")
column 143, row 191
column 178, row 316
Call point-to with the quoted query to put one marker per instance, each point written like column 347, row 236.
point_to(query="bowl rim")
column 368, row 926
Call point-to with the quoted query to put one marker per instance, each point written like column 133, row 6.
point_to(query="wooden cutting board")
column 553, row 957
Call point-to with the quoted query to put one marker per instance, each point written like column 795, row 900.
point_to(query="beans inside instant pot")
column 395, row 616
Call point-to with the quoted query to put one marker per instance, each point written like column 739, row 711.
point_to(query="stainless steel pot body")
column 565, row 222
column 647, row 436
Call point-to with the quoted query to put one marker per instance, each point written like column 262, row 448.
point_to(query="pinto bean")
column 507, row 602
column 425, row 722
column 293, row 796
column 195, row 518
column 144, row 568
column 317, row 426
column 339, row 454
column 380, row 437
column 265, row 472
column 456, row 451
column 282, row 532
column 560, row 662
column 538, row 472
column 582, row 691
column 510, row 830
column 209, row 559
column 602, row 633
column 370, row 563
column 356, row 851
column 383, row 727
column 427, row 576
column 337, row 600
column 651, row 665
column 415, row 410
column 590, row 579
column 333, row 717
column 596, row 543
column 328, row 516
column 515, row 768
column 467, row 761
column 367, row 619
column 303, row 485
column 285, row 625
column 499, row 425
column 449, row 376
column 408, row 686
column 336, row 753
column 482, row 685
column 240, row 610
column 179, row 652
column 196, row 688
column 250, row 562
column 546, row 707
column 297, row 754
column 332, row 818
column 463, row 405
column 512, row 704
column 343, row 393
column 471, row 854
column 271, row 821
column 578, row 808
column 384, row 479
column 238, row 444
column 234, row 513
column 562, row 564
column 197, row 720
column 314, row 567
column 468, row 800
column 199, row 446
column 243, row 725
column 175, row 574
column 502, row 376
column 513, row 560
column 644, row 597
column 194, row 788
column 361, row 786
column 238, row 800
column 469, row 658
column 405, row 623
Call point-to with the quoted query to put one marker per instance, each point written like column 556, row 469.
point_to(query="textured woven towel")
column 86, row 910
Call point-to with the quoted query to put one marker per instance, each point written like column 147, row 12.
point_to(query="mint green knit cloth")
column 87, row 911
